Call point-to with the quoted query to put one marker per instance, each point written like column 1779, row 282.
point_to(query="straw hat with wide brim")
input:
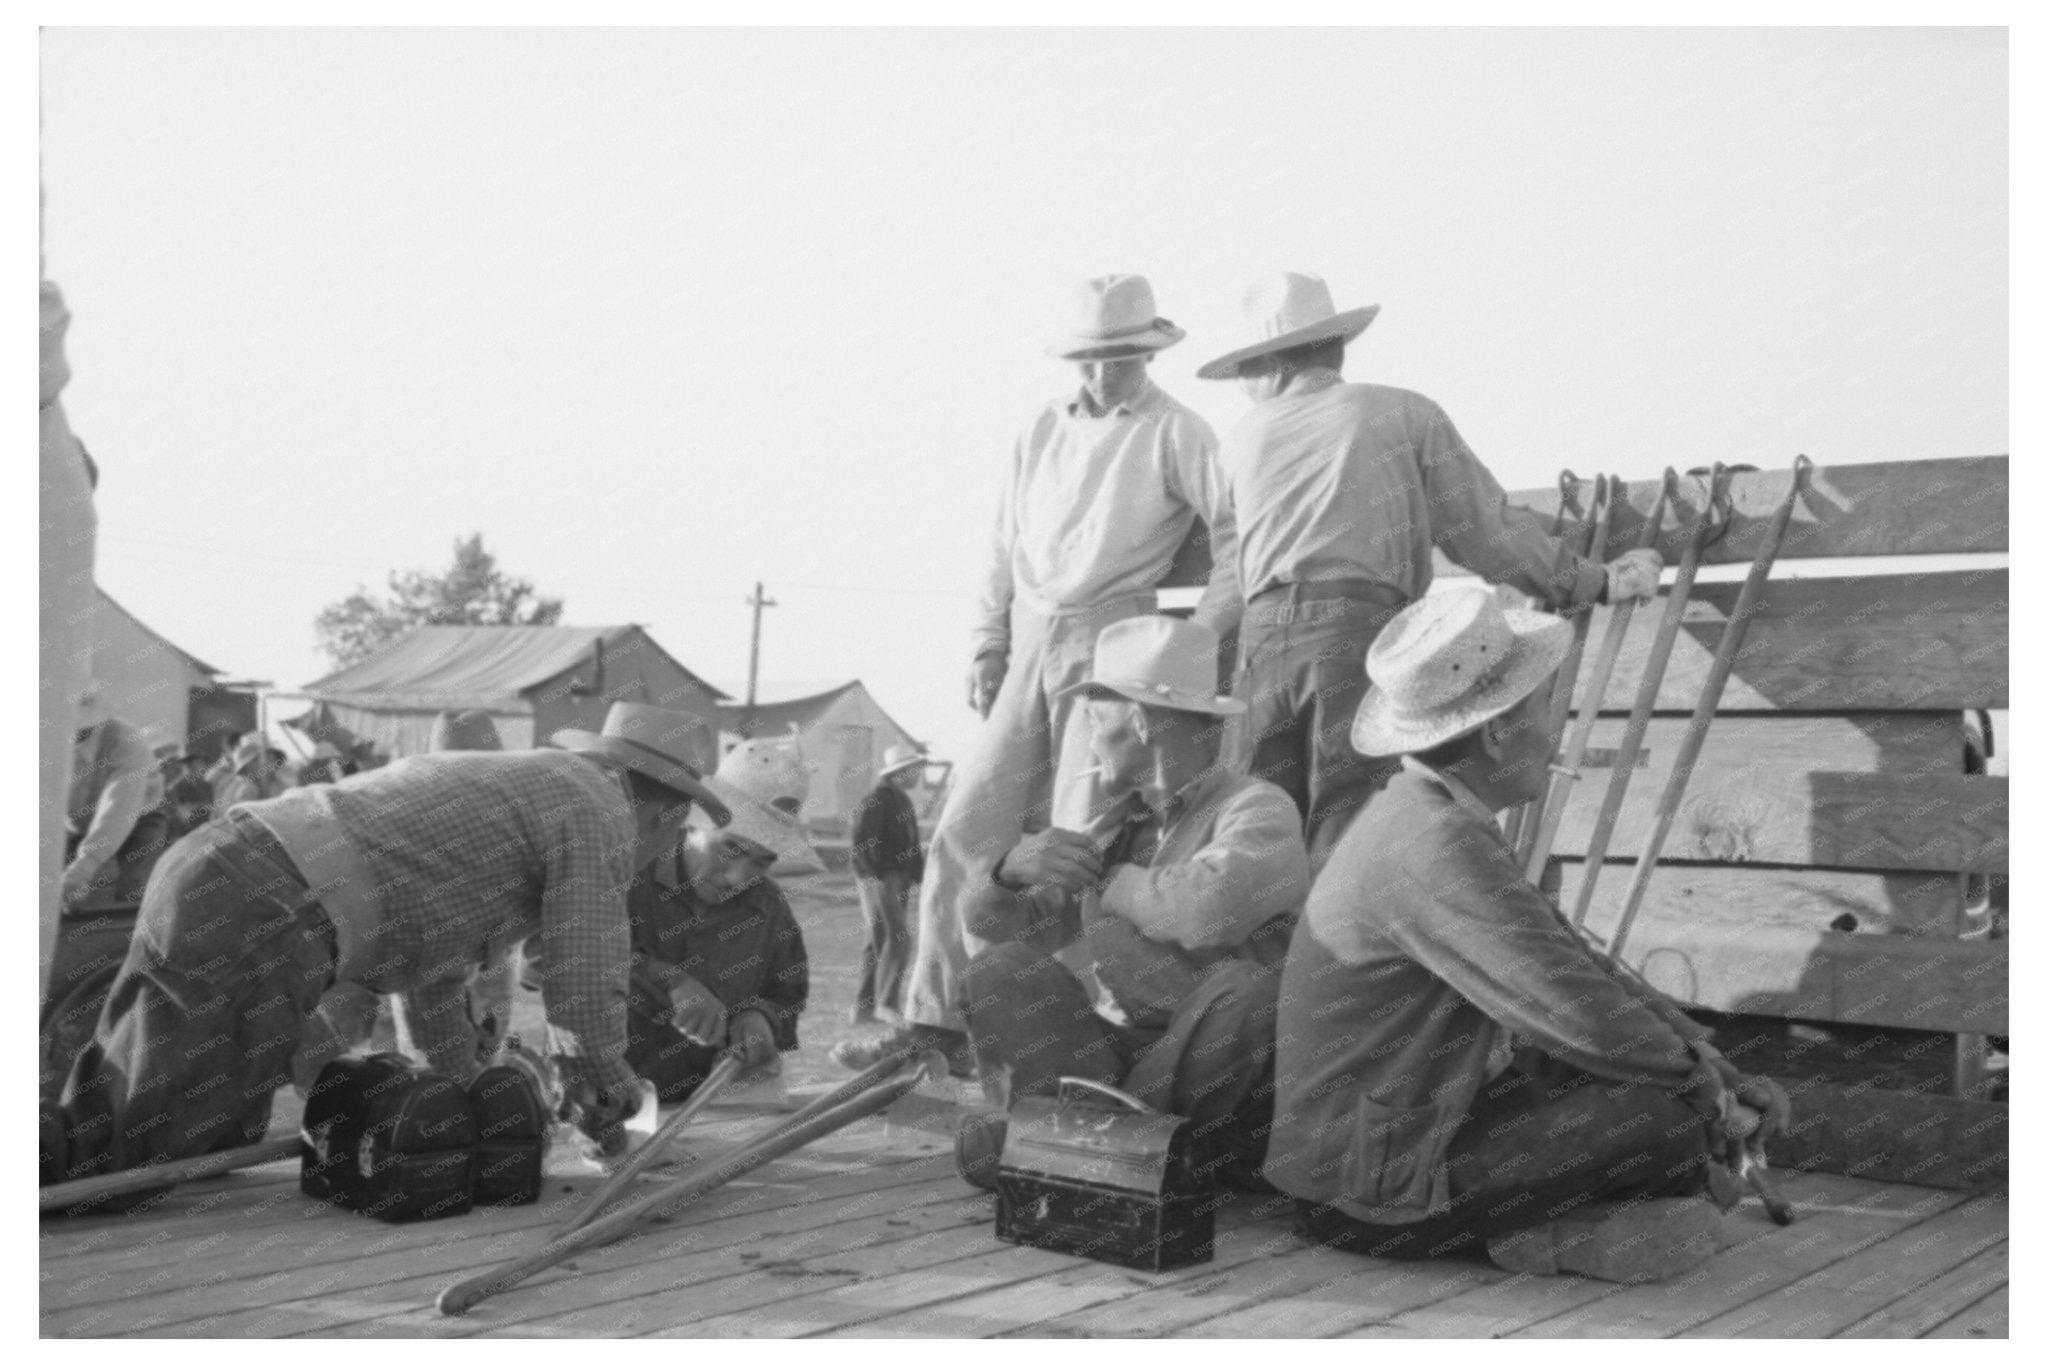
column 765, row 783
column 1114, row 317
column 653, row 741
column 901, row 757
column 1449, row 663
column 1284, row 311
column 1158, row 661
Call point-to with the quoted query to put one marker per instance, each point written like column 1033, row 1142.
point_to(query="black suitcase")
column 387, row 1139
column 511, row 1137
column 1111, row 1181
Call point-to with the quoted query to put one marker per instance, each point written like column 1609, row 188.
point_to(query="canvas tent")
column 152, row 684
column 533, row 680
column 842, row 734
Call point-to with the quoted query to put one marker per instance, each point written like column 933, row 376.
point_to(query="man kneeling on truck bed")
column 401, row 880
column 1178, row 902
column 1403, row 1116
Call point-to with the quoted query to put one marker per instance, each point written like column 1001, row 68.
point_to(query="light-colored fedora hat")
column 464, row 731
column 765, row 783
column 249, row 748
column 1286, row 310
column 897, row 757
column 1159, row 661
column 1450, row 662
column 1114, row 316
column 653, row 741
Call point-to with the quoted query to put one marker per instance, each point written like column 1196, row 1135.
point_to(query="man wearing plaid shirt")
column 402, row 880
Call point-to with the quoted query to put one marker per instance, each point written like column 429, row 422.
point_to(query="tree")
column 470, row 592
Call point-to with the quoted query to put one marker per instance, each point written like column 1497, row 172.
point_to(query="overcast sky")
column 662, row 313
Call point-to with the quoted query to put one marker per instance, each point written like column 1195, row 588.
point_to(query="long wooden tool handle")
column 1568, row 485
column 1646, row 692
column 71, row 1193
column 707, row 1090
column 464, row 1295
column 1562, row 783
column 1594, row 547
column 1710, row 700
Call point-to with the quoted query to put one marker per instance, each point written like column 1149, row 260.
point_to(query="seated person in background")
column 1404, row 1119
column 1178, row 903
column 718, row 960
column 115, row 825
column 189, row 799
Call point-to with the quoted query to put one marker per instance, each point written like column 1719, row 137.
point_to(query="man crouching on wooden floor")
column 402, row 880
column 1178, row 902
column 1403, row 1116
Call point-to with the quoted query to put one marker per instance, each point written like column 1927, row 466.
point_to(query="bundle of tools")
column 1738, row 1134
column 591, row 1226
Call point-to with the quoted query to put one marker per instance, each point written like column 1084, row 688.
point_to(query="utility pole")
column 759, row 600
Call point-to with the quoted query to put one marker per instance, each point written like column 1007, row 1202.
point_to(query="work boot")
column 858, row 1054
column 978, row 1146
column 1626, row 1243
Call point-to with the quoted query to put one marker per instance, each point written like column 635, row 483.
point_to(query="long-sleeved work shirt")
column 1094, row 508
column 885, row 835
column 1229, row 862
column 114, row 780
column 435, row 865
column 1422, row 949
column 748, row 951
column 1330, row 480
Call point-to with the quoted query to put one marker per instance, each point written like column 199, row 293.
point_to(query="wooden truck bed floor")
column 871, row 1233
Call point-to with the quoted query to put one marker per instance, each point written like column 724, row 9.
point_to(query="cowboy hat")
column 1450, row 662
column 1114, row 317
column 464, row 731
column 1158, row 661
column 764, row 783
column 897, row 757
column 1284, row 311
column 654, row 742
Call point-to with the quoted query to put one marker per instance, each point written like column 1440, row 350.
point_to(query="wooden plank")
column 1921, row 1310
column 1750, row 796
column 1895, row 1135
column 1891, row 508
column 1884, row 642
column 1837, row 1296
column 1733, row 901
column 1373, row 1292
column 1879, row 820
column 1881, row 979
column 1732, row 1279
column 1989, row 1318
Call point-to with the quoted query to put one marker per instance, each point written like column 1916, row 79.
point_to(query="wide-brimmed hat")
column 765, row 782
column 464, row 731
column 1114, row 317
column 653, row 741
column 1159, row 661
column 897, row 757
column 1287, row 310
column 1450, row 662
column 249, row 748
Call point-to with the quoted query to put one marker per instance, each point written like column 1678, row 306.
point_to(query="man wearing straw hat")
column 400, row 880
column 1340, row 491
column 115, row 828
column 1403, row 1115
column 1102, row 490
column 888, row 866
column 718, row 959
column 1180, row 902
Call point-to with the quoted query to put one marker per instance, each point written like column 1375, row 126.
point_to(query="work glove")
column 751, row 1039
column 1633, row 575
column 1761, row 1111
column 699, row 1015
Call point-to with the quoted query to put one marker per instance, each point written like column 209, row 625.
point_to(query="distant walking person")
column 1339, row 492
column 1102, row 489
column 888, row 865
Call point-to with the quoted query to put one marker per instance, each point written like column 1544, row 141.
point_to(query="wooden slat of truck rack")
column 1946, row 985
column 1894, row 1135
column 1882, row 642
column 1732, row 900
column 1751, row 797
column 1850, row 510
column 1882, row 820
